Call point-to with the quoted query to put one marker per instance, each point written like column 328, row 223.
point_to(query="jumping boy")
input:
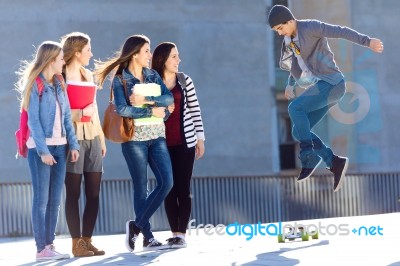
column 306, row 55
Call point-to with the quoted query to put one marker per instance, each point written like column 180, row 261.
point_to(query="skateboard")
column 301, row 234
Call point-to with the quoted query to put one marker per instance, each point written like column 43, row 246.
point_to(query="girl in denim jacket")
column 147, row 146
column 51, row 130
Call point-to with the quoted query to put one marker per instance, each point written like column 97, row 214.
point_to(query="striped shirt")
column 192, row 121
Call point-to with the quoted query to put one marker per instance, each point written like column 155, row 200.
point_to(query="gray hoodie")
column 315, row 51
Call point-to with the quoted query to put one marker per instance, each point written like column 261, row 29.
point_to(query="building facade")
column 230, row 53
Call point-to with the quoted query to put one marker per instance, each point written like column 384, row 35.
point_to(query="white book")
column 148, row 89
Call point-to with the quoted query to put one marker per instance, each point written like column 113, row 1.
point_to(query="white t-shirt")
column 57, row 138
column 307, row 78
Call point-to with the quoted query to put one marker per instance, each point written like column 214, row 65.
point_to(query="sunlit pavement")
column 374, row 242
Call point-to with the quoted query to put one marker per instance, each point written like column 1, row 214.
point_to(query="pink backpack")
column 22, row 134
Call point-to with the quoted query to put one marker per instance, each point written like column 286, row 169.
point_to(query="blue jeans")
column 47, row 184
column 307, row 110
column 138, row 154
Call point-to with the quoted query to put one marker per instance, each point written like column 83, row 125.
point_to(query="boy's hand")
column 289, row 92
column 376, row 45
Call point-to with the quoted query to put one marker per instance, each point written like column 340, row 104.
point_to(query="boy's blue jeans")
column 307, row 110
column 139, row 154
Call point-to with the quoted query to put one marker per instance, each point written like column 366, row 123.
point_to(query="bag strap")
column 123, row 84
column 181, row 79
column 40, row 85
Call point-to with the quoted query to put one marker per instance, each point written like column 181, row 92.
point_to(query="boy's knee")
column 294, row 133
column 294, row 107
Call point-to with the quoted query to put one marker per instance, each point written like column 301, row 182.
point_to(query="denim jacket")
column 123, row 106
column 41, row 115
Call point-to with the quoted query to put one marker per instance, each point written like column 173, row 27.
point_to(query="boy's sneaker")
column 308, row 165
column 50, row 253
column 179, row 243
column 131, row 236
column 339, row 168
column 153, row 244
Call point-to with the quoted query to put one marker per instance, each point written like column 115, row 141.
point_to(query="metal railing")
column 223, row 200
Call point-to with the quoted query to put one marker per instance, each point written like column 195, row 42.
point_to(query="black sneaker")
column 179, row 243
column 308, row 166
column 170, row 241
column 339, row 168
column 153, row 244
column 131, row 236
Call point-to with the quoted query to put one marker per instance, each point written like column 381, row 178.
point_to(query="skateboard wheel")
column 281, row 239
column 315, row 235
column 304, row 237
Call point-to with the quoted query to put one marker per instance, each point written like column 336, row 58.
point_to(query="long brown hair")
column 45, row 54
column 160, row 56
column 132, row 46
column 72, row 43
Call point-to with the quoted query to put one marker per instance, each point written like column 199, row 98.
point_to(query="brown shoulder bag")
column 117, row 128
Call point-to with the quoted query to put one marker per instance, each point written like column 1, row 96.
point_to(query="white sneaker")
column 49, row 253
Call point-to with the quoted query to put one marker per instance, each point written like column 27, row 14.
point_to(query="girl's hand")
column 171, row 108
column 88, row 110
column 199, row 149
column 137, row 99
column 48, row 159
column 158, row 112
column 74, row 156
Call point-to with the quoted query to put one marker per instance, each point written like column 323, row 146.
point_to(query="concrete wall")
column 223, row 45
column 379, row 136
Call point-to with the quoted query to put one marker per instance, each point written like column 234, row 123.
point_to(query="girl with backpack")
column 51, row 130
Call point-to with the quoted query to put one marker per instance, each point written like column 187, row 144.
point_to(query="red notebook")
column 80, row 95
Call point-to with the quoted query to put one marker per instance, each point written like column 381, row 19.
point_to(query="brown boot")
column 80, row 248
column 92, row 248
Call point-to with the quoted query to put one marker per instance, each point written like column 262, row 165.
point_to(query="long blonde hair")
column 45, row 54
column 132, row 46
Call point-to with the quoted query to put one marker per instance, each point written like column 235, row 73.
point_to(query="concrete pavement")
column 374, row 242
